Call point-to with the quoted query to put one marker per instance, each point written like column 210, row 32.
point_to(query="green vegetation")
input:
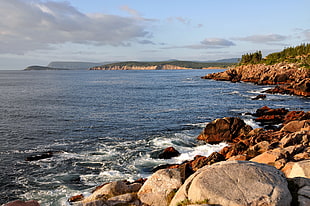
column 252, row 58
column 299, row 54
column 186, row 64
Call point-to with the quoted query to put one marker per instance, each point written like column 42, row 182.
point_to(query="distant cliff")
column 167, row 65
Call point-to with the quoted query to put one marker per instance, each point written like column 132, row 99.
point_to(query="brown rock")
column 269, row 157
column 225, row 129
column 295, row 126
column 22, row 203
column 76, row 198
column 168, row 153
column 200, row 161
column 293, row 115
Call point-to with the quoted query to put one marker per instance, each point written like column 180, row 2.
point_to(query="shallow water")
column 103, row 125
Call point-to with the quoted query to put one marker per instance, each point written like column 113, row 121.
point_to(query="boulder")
column 160, row 187
column 225, row 129
column 112, row 189
column 200, row 161
column 299, row 169
column 168, row 153
column 22, row 203
column 233, row 182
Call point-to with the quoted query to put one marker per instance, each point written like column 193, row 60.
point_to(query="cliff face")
column 291, row 78
column 158, row 67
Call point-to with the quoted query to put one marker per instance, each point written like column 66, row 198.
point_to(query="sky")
column 36, row 32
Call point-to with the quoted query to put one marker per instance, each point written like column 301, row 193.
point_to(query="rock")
column 76, row 198
column 301, row 137
column 159, row 189
column 293, row 115
column 227, row 183
column 300, row 190
column 225, row 129
column 270, row 157
column 168, row 153
column 113, row 189
column 295, row 126
column 200, row 161
column 125, row 199
column 40, row 156
column 22, row 203
column 260, row 96
column 300, row 169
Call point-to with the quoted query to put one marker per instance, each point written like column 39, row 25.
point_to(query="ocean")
column 102, row 126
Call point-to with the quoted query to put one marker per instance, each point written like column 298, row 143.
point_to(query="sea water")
column 103, row 125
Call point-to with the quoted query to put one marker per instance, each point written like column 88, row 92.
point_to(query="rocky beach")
column 262, row 166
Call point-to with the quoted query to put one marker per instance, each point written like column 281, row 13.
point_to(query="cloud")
column 179, row 19
column 37, row 24
column 269, row 38
column 208, row 43
column 146, row 41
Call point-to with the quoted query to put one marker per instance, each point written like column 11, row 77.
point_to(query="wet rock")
column 168, row 153
column 36, row 157
column 225, row 129
column 260, row 96
column 217, row 183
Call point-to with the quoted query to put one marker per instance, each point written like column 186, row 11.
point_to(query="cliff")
column 291, row 78
column 125, row 67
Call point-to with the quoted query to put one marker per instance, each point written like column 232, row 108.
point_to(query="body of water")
column 102, row 125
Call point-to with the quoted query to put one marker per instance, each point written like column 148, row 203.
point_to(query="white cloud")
column 268, row 38
column 208, row 43
column 35, row 24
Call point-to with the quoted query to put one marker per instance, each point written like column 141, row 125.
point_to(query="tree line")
column 299, row 54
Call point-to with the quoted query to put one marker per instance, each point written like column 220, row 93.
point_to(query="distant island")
column 42, row 68
column 136, row 65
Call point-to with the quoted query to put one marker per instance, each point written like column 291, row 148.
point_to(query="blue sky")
column 35, row 32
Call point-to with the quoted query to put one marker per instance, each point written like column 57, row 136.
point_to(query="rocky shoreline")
column 262, row 166
column 290, row 78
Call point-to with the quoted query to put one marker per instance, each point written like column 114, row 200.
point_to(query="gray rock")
column 236, row 183
column 159, row 189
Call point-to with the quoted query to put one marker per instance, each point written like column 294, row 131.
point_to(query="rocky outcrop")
column 291, row 77
column 233, row 183
column 225, row 129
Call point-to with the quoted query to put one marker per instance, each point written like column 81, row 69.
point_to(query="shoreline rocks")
column 274, row 161
column 290, row 78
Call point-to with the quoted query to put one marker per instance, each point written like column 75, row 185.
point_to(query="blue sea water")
column 103, row 125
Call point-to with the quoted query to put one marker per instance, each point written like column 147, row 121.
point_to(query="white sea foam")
column 252, row 123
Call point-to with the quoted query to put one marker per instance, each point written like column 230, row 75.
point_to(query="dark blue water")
column 102, row 125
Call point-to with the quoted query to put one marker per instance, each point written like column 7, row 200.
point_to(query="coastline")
column 235, row 151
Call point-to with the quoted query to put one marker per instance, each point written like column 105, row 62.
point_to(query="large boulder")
column 225, row 129
column 236, row 183
column 159, row 189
